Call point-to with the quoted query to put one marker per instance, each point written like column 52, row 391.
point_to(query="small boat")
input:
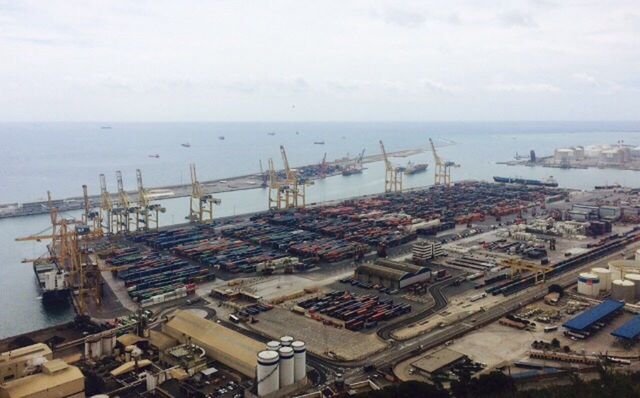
column 105, row 127
column 186, row 145
column 271, row 133
column 318, row 142
column 154, row 156
column 221, row 137
column 415, row 168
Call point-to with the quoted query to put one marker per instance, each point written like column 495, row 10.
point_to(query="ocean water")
column 60, row 157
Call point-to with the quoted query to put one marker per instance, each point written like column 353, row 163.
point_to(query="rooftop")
column 435, row 361
column 229, row 347
column 596, row 314
column 628, row 331
column 61, row 380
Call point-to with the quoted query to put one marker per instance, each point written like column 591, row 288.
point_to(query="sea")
column 61, row 157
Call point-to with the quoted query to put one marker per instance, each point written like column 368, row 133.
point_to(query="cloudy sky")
column 319, row 60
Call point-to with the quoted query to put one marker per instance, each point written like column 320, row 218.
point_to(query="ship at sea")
column 549, row 182
column 415, row 168
column 186, row 145
column 52, row 283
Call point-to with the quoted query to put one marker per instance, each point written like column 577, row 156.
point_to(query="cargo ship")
column 549, row 182
column 351, row 170
column 415, row 168
column 52, row 284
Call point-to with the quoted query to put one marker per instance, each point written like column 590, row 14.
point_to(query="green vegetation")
column 499, row 385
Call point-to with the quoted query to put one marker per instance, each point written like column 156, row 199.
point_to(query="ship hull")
column 525, row 181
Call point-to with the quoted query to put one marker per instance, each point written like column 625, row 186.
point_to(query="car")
column 394, row 291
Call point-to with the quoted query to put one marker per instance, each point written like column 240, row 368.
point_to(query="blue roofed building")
column 600, row 313
column 628, row 331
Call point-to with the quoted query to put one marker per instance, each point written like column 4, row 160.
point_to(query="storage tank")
column 273, row 345
column 619, row 268
column 93, row 347
column 637, row 255
column 108, row 342
column 127, row 352
column 286, row 366
column 635, row 278
column 605, row 278
column 588, row 284
column 268, row 376
column 286, row 341
column 299, row 360
column 623, row 290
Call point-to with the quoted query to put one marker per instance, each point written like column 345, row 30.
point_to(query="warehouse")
column 433, row 363
column 600, row 313
column 391, row 274
column 224, row 345
column 630, row 331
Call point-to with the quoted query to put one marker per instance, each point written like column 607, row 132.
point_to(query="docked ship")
column 549, row 182
column 51, row 282
column 415, row 168
column 351, row 170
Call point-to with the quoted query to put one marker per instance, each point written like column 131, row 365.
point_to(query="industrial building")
column 31, row 372
column 424, row 250
column 14, row 364
column 392, row 274
column 226, row 346
column 433, row 363
column 602, row 312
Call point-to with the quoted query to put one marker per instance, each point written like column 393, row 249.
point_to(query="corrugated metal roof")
column 588, row 318
column 629, row 330
column 227, row 346
column 379, row 270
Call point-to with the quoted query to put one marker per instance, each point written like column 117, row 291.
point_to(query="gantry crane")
column 70, row 251
column 442, row 169
column 323, row 167
column 147, row 213
column 124, row 221
column 517, row 266
column 201, row 203
column 393, row 175
column 264, row 175
column 276, row 196
column 294, row 188
column 107, row 215
column 90, row 216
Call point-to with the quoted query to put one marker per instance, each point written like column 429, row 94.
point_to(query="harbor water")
column 60, row 157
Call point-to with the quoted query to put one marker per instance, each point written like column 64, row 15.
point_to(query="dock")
column 238, row 183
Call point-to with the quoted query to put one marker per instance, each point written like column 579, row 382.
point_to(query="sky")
column 193, row 60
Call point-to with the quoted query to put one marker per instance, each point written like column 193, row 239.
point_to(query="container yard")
column 160, row 265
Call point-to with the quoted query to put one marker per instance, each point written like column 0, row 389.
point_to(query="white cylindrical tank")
column 286, row 341
column 286, row 366
column 93, row 347
column 623, row 290
column 273, row 345
column 635, row 278
column 588, row 284
column 127, row 352
column 300, row 360
column 619, row 268
column 605, row 277
column 268, row 376
column 637, row 255
column 108, row 342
